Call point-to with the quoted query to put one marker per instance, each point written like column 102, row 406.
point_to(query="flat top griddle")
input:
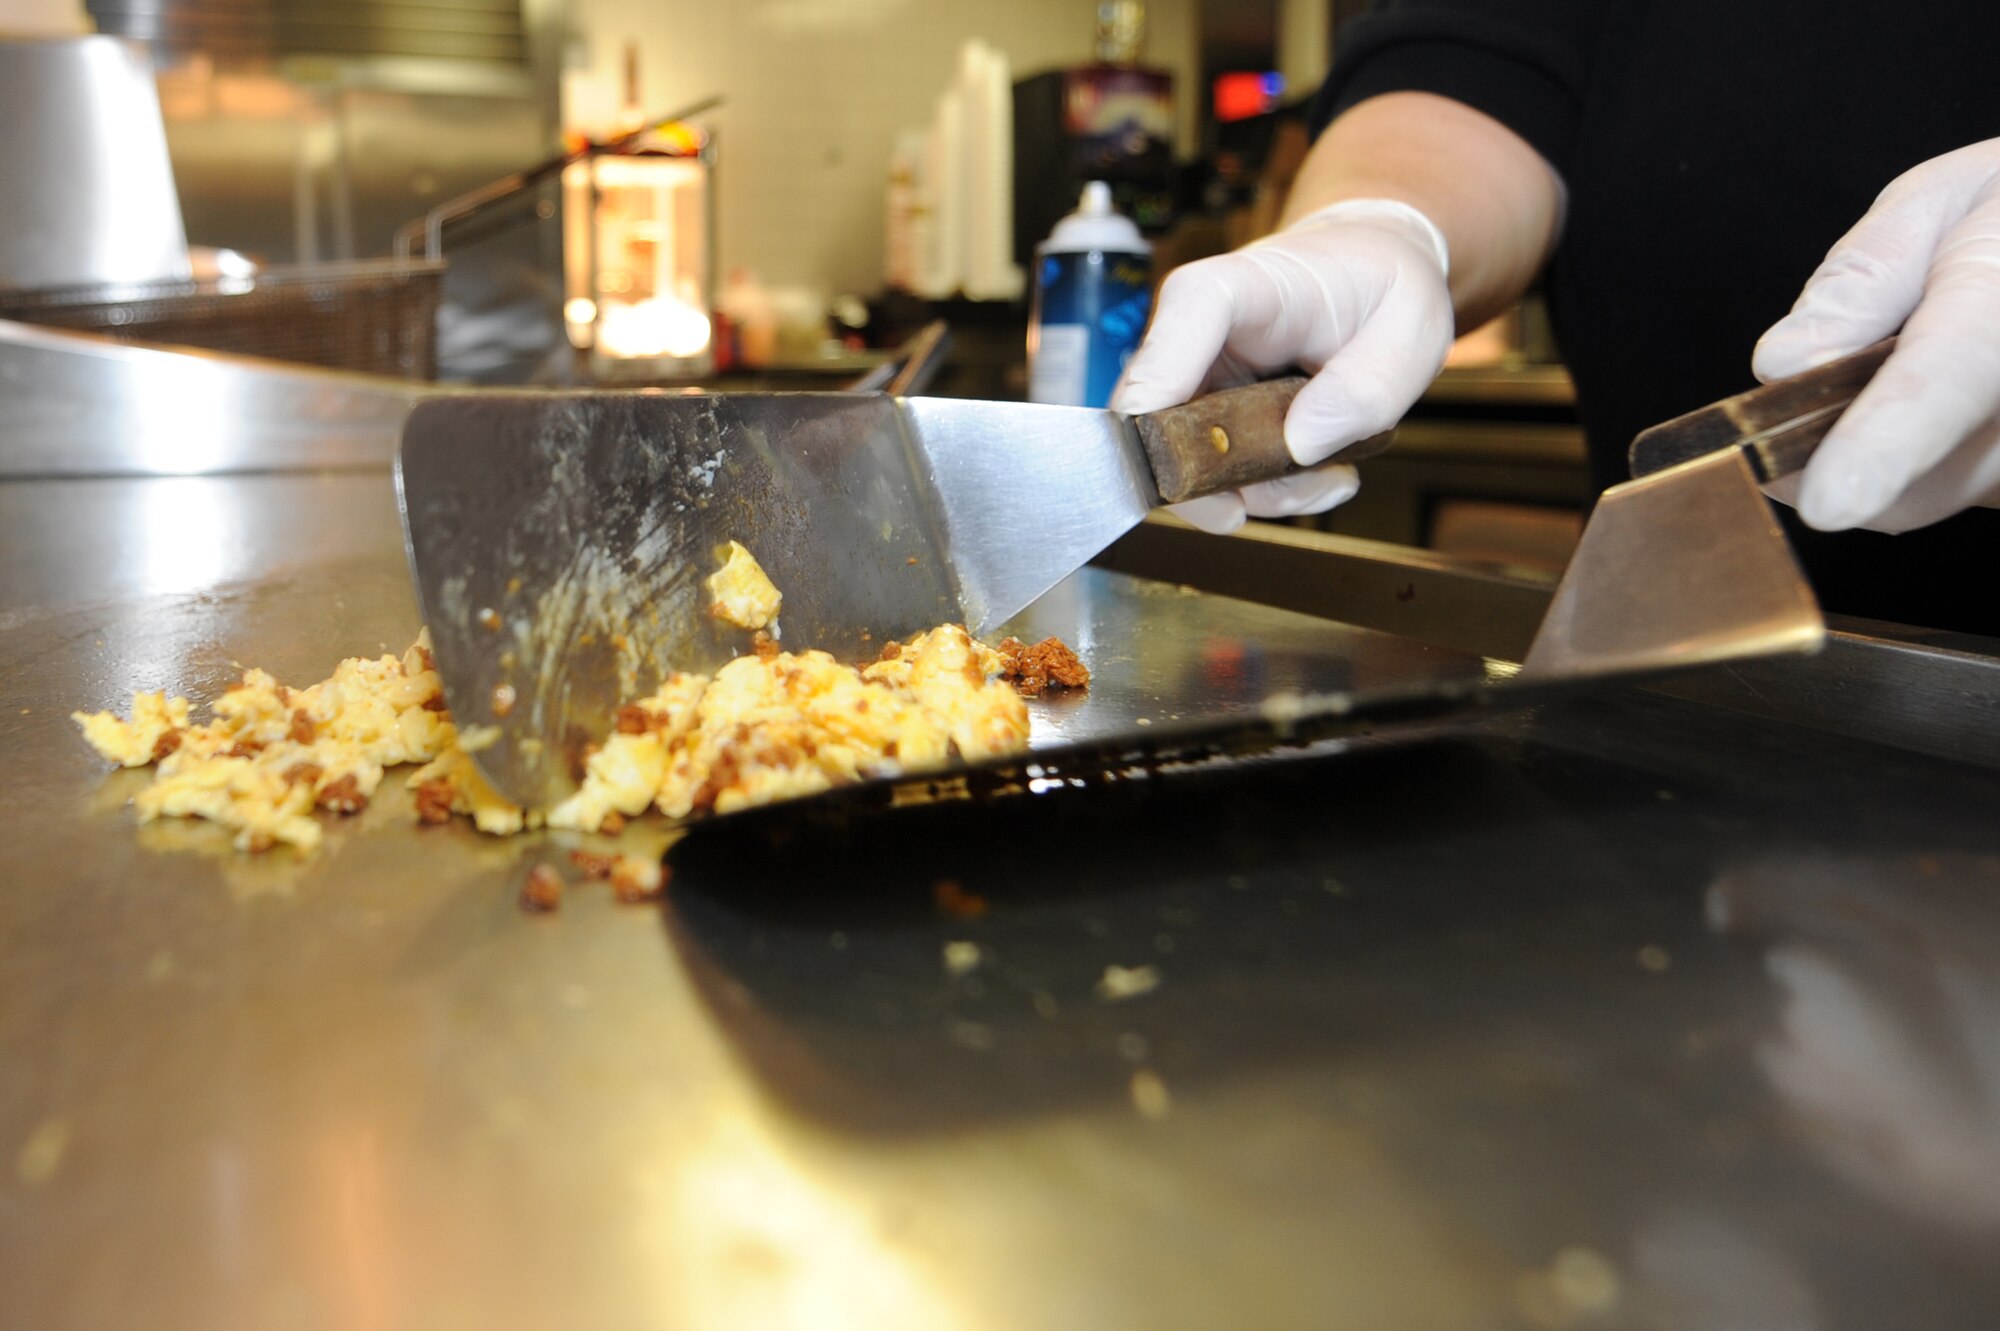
column 1621, row 1010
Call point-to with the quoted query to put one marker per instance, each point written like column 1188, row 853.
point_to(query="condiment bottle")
column 1093, row 291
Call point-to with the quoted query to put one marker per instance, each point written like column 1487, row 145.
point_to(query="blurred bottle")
column 1093, row 290
column 752, row 317
column 1121, row 31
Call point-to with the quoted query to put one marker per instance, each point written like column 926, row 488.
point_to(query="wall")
column 1305, row 43
column 817, row 90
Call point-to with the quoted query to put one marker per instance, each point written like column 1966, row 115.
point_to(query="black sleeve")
column 1526, row 63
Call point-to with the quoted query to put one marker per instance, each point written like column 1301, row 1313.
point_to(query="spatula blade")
column 1686, row 566
column 560, row 545
column 1026, row 494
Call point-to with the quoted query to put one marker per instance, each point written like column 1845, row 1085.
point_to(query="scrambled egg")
column 144, row 738
column 779, row 725
column 765, row 727
column 273, row 754
column 450, row 783
column 742, row 593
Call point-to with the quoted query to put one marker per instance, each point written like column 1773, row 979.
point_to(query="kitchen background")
column 863, row 167
column 309, row 130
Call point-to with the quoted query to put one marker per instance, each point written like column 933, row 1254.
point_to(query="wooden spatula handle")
column 1779, row 426
column 1228, row 439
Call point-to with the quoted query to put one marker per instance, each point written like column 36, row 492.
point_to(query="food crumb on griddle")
column 955, row 901
column 343, row 795
column 1121, row 982
column 961, row 957
column 542, row 891
column 434, row 802
column 635, row 880
column 1047, row 664
column 1149, row 1095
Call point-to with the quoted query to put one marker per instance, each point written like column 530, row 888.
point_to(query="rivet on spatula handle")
column 1229, row 439
column 1778, row 426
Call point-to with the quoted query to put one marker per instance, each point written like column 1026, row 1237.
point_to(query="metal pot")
column 86, row 191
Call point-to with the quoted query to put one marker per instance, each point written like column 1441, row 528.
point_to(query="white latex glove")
column 1354, row 293
column 1922, row 441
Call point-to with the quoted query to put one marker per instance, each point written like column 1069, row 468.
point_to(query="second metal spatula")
column 1686, row 563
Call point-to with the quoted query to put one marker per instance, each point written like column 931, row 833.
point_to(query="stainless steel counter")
column 78, row 405
column 1633, row 1012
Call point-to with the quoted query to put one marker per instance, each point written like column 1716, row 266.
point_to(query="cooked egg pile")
column 273, row 754
column 765, row 727
column 780, row 724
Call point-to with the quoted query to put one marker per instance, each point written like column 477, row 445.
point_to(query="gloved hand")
column 1354, row 293
column 1922, row 441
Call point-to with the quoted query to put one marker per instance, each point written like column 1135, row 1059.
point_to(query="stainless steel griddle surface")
column 1625, row 1012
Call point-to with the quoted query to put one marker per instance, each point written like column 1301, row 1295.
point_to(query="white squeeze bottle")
column 1093, row 291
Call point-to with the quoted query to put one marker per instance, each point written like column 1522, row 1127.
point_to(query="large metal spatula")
column 561, row 542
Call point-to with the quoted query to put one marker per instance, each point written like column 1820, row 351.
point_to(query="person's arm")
column 1497, row 204
column 1399, row 191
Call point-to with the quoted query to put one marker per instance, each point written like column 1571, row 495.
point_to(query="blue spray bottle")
column 1093, row 291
